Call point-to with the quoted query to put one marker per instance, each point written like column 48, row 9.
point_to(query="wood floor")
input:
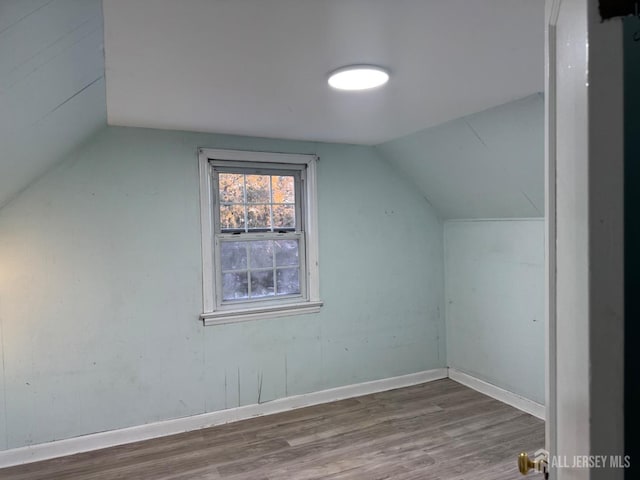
column 438, row 430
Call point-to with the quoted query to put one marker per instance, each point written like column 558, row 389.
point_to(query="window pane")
column 235, row 286
column 286, row 252
column 283, row 189
column 231, row 187
column 288, row 281
column 258, row 217
column 232, row 217
column 258, row 188
column 284, row 216
column 262, row 283
column 233, row 255
column 262, row 254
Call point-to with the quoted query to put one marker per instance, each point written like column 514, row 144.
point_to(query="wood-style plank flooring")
column 438, row 430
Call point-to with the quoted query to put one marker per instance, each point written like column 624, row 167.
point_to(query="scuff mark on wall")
column 286, row 377
column 31, row 12
column 532, row 204
column 64, row 102
column 239, row 402
column 475, row 133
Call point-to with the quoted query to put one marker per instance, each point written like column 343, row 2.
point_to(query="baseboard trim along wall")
column 513, row 399
column 95, row 441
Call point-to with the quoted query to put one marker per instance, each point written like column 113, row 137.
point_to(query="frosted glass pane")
column 235, row 286
column 284, row 216
column 262, row 284
column 283, row 189
column 231, row 187
column 286, row 252
column 262, row 254
column 288, row 281
column 233, row 255
column 258, row 217
column 258, row 188
column 232, row 217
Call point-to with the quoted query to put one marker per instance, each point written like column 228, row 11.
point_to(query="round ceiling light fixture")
column 358, row 77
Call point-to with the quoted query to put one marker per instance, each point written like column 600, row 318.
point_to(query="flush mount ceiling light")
column 358, row 77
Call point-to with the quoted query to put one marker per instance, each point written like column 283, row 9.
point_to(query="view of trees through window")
column 258, row 268
column 256, row 202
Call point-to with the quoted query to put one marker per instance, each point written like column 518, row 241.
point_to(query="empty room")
column 274, row 239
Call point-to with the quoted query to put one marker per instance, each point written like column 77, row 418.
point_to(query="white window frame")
column 214, row 312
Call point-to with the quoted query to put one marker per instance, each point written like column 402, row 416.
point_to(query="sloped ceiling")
column 486, row 165
column 490, row 164
column 52, row 89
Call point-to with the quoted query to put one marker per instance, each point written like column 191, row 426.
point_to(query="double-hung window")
column 259, row 226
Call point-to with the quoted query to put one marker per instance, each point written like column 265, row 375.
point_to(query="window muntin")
column 260, row 268
column 257, row 289
column 259, row 234
column 257, row 200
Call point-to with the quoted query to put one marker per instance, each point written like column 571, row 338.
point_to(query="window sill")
column 247, row 314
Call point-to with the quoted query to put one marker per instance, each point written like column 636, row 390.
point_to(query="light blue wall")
column 100, row 290
column 494, row 277
column 52, row 91
column 486, row 165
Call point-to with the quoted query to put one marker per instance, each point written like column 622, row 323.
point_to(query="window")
column 259, row 235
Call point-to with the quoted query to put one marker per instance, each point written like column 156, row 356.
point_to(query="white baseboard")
column 112, row 438
column 513, row 399
column 95, row 441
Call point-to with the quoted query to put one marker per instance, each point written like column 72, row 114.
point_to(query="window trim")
column 212, row 314
column 299, row 172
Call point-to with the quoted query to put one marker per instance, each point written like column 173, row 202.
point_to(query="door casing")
column 584, row 236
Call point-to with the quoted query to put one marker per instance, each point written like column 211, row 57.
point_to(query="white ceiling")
column 258, row 67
